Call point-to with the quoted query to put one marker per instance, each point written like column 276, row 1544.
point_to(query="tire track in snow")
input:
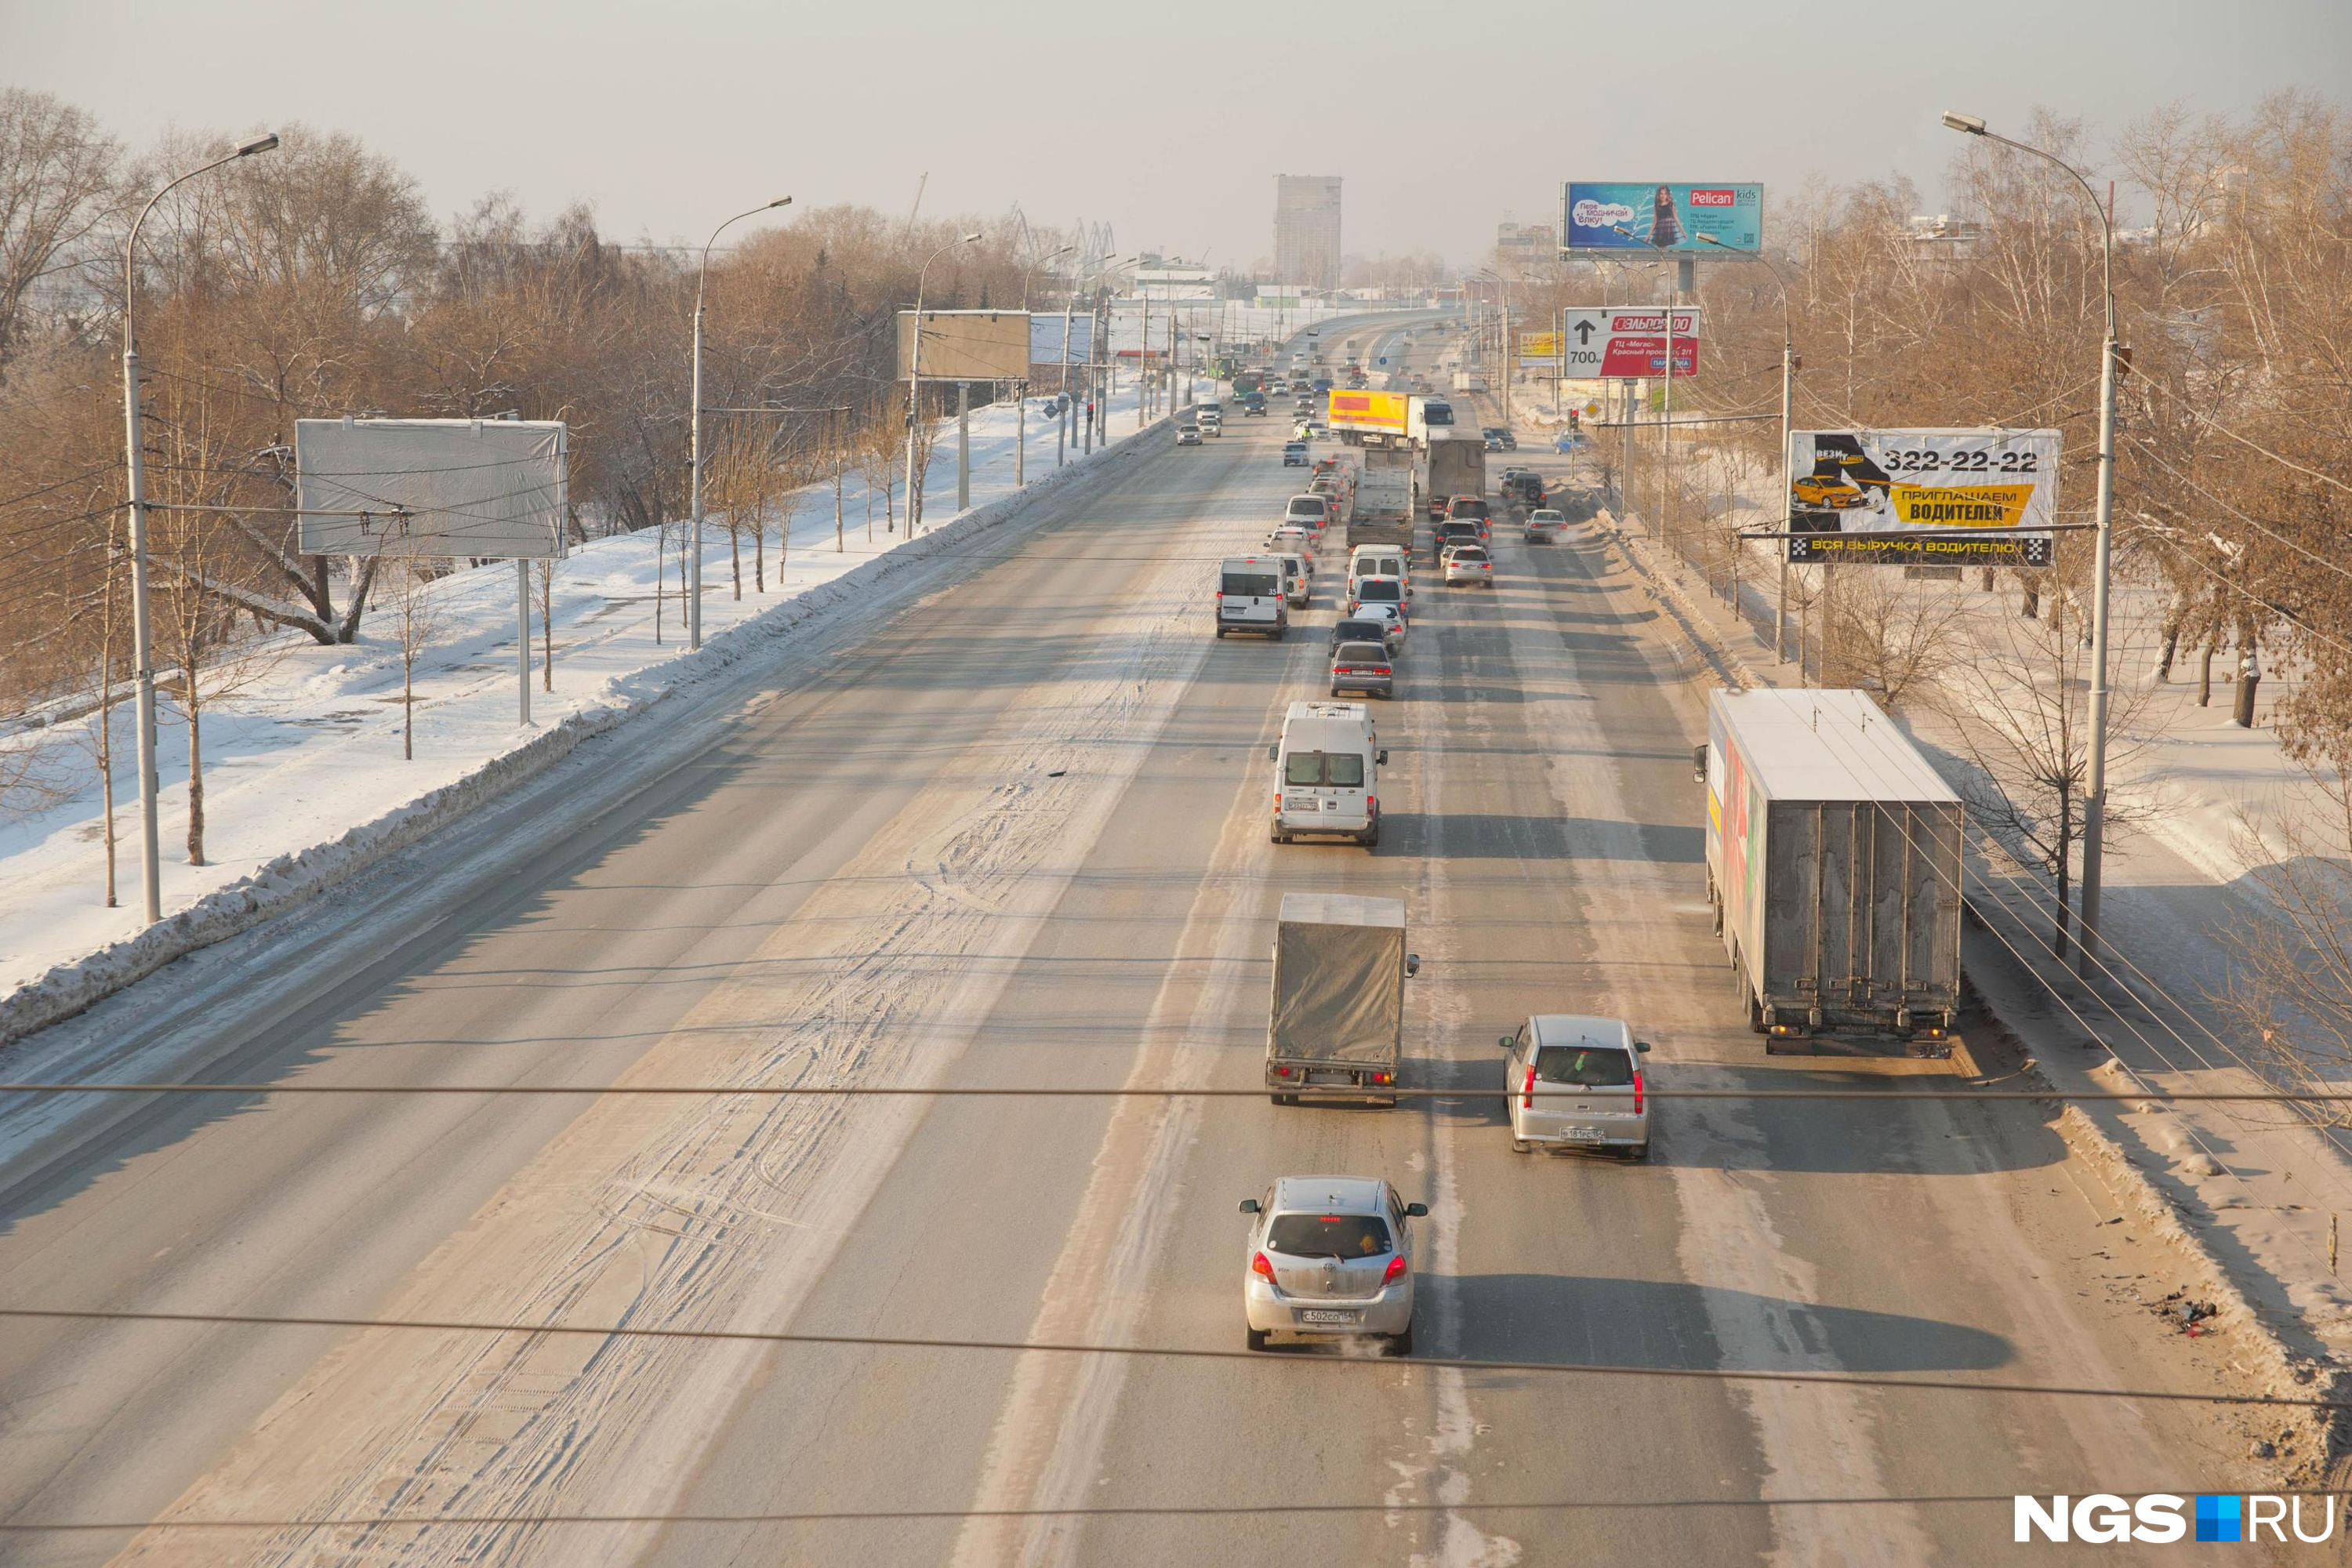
column 647, row 1213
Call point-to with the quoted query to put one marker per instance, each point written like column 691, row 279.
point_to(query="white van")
column 1326, row 769
column 1250, row 597
column 1379, row 561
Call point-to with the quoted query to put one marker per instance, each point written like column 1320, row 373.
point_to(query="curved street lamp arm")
column 130, row 241
column 702, row 273
column 2106, row 225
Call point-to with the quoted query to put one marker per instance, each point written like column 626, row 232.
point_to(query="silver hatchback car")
column 1577, row 1082
column 1330, row 1257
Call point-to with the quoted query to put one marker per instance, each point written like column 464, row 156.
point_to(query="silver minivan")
column 1576, row 1081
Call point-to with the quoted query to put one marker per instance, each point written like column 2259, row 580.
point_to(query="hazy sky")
column 1168, row 119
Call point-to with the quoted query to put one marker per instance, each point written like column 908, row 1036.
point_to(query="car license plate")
column 1309, row 804
column 1585, row 1134
column 1326, row 1315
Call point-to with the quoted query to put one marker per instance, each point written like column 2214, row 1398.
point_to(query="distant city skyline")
column 665, row 118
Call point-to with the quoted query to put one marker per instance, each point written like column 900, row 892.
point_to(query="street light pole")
column 914, row 369
column 694, row 429
column 151, row 856
column 2094, row 783
column 1021, row 415
column 1788, row 370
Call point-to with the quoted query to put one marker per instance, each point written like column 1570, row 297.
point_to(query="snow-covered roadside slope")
column 305, row 782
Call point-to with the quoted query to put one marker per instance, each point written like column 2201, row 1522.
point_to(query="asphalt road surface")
column 1011, row 831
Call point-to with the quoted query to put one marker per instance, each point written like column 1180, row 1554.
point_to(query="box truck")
column 1833, row 866
column 1335, row 1028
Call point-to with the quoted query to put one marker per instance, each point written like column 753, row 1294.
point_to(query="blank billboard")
column 488, row 488
column 967, row 345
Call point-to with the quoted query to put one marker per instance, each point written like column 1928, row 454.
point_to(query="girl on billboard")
column 1666, row 229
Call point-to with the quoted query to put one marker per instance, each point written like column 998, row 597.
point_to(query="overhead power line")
column 1716, row 1374
column 1964, row 1096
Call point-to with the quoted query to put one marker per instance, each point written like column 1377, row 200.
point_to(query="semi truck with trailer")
column 1833, row 866
column 1336, row 1026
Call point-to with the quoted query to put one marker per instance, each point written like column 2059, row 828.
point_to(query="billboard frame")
column 1690, row 216
column 2013, row 473
column 1009, row 346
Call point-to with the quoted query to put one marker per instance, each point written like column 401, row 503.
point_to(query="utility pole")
column 914, row 366
column 150, row 857
column 2095, row 783
column 694, row 424
column 1787, row 375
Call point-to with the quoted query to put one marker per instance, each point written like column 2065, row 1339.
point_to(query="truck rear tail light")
column 1262, row 1268
column 1527, row 1091
column 1396, row 1270
column 1282, row 1072
column 1384, row 1078
column 1638, row 1088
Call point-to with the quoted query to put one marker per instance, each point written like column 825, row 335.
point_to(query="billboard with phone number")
column 1940, row 497
column 1603, row 216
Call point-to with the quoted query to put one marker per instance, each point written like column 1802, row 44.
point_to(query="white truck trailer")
column 1833, row 866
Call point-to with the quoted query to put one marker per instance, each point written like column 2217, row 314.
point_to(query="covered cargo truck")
column 1450, row 468
column 1384, row 494
column 1336, row 1028
column 1832, row 865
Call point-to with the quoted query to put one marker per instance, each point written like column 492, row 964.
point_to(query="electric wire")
column 1713, row 1374
column 2279, row 458
column 1083, row 1511
column 2312, row 555
column 2189, row 1129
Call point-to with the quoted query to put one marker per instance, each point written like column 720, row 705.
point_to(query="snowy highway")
column 1009, row 830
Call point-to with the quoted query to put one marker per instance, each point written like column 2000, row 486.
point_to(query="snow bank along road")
column 1012, row 834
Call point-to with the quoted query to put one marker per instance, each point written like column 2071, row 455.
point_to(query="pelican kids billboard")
column 1601, row 216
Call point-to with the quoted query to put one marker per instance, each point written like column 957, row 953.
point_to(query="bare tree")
column 1891, row 635
column 57, row 188
column 2290, row 977
column 2019, row 698
column 415, row 616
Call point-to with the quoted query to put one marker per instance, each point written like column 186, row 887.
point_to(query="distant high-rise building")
column 1527, row 242
column 1306, row 229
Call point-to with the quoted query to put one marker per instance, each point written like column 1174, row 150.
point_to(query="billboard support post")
column 963, row 446
column 1021, row 436
column 522, row 637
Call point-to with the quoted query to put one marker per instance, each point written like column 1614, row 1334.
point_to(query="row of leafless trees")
column 2233, row 284
column 313, row 281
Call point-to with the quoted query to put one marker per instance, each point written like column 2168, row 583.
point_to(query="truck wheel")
column 1520, row 1146
column 1371, row 840
column 1255, row 1339
column 1638, row 1153
column 1400, row 1344
column 1755, row 1009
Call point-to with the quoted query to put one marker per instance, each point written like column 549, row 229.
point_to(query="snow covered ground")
column 304, row 779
